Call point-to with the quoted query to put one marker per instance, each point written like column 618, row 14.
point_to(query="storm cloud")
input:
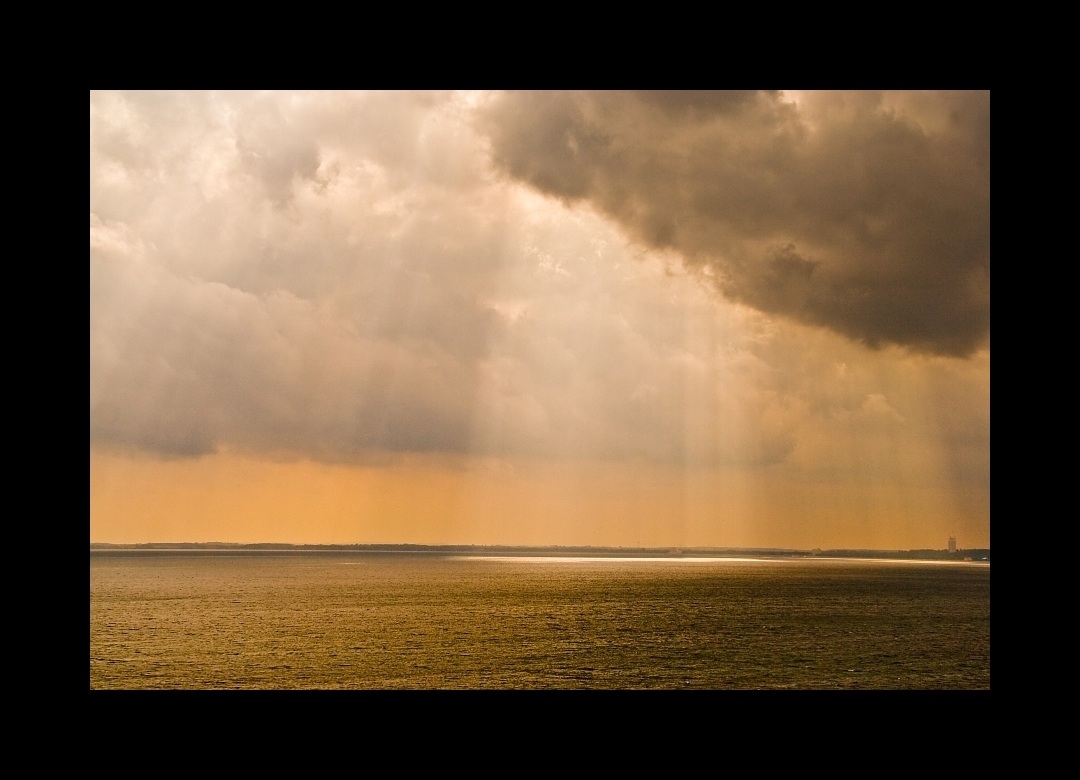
column 867, row 213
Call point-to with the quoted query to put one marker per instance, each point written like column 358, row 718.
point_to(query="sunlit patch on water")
column 897, row 561
column 603, row 559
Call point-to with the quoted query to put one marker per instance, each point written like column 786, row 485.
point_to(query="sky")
column 674, row 319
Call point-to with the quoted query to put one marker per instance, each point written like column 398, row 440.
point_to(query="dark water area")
column 397, row 621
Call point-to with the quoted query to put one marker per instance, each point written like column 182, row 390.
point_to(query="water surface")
column 385, row 621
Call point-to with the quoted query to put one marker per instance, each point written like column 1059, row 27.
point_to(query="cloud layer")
column 346, row 277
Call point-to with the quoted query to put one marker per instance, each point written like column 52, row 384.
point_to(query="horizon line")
column 435, row 547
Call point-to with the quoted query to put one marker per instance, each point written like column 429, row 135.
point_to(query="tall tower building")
column 952, row 544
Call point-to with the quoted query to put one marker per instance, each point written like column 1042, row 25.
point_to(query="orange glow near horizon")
column 225, row 498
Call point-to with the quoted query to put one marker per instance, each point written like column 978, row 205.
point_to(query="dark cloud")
column 866, row 213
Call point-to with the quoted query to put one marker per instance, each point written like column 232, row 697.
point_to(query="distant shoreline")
column 977, row 555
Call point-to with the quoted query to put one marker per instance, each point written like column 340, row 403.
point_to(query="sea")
column 344, row 620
